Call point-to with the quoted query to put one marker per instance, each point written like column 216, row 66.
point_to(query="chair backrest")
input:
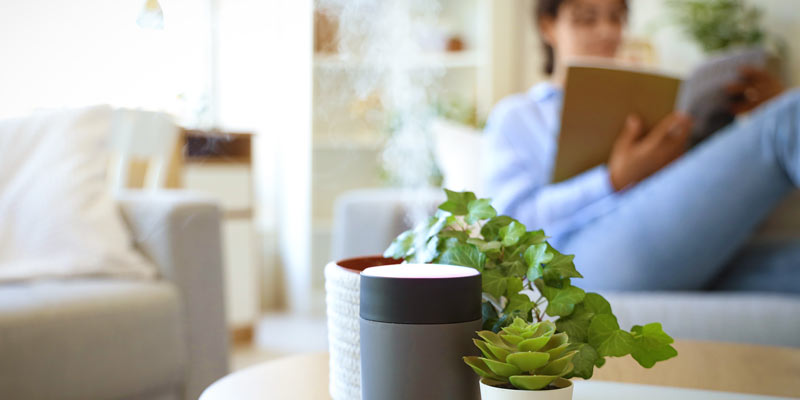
column 137, row 136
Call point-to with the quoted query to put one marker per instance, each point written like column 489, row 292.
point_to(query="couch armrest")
column 366, row 221
column 180, row 232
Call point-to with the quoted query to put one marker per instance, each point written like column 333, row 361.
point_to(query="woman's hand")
column 755, row 87
column 636, row 156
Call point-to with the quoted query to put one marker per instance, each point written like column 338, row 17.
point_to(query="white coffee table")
column 703, row 370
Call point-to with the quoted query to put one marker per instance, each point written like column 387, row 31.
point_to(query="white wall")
column 80, row 52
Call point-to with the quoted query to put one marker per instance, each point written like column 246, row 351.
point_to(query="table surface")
column 725, row 367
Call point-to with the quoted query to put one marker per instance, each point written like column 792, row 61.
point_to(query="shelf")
column 456, row 59
column 327, row 142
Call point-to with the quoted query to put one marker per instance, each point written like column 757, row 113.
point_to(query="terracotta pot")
column 342, row 284
column 494, row 393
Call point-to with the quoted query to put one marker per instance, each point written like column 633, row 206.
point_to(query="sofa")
column 104, row 338
column 367, row 220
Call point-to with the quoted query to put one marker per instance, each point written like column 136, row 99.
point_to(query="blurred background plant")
column 719, row 24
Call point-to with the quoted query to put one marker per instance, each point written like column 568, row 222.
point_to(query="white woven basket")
column 343, row 297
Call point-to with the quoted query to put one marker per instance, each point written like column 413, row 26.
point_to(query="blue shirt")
column 521, row 139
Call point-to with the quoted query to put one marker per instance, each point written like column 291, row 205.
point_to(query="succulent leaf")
column 480, row 368
column 534, row 344
column 531, row 382
column 484, row 349
column 493, row 338
column 501, row 368
column 556, row 366
column 528, row 361
column 555, row 352
column 498, row 353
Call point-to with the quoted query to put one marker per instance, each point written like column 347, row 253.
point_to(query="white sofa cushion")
column 58, row 219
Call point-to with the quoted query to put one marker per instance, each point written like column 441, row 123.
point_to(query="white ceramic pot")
column 494, row 393
column 342, row 298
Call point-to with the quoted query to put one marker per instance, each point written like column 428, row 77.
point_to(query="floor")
column 280, row 335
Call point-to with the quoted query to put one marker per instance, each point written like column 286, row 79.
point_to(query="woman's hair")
column 549, row 9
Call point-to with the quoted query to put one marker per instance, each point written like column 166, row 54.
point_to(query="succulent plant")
column 525, row 356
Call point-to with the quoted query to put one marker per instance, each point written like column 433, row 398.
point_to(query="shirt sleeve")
column 518, row 158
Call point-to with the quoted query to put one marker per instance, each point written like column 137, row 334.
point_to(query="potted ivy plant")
column 524, row 277
column 523, row 361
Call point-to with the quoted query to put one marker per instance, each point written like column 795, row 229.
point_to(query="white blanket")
column 57, row 218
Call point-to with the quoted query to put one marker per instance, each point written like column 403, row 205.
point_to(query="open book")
column 599, row 96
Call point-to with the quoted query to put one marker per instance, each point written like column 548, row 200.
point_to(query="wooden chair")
column 145, row 151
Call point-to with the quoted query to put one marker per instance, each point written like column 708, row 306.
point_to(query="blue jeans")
column 682, row 228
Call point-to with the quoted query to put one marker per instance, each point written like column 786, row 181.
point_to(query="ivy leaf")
column 457, row 202
column 489, row 315
column 576, row 325
column 606, row 337
column 535, row 256
column 519, row 304
column 494, row 282
column 513, row 286
column 596, row 304
column 484, row 246
column 560, row 301
column 461, row 236
column 560, row 267
column 514, row 268
column 511, row 233
column 491, row 230
column 465, row 255
column 651, row 345
column 478, row 210
column 583, row 361
column 402, row 246
column 533, row 237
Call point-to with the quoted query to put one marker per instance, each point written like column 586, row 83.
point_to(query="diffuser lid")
column 420, row 294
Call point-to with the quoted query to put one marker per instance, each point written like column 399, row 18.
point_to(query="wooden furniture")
column 724, row 367
column 220, row 163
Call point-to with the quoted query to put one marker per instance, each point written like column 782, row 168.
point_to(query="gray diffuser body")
column 414, row 334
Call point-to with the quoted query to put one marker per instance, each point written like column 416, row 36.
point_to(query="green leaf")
column 514, row 268
column 484, row 246
column 461, row 236
column 584, row 360
column 607, row 338
column 511, row 233
column 480, row 367
column 514, row 285
column 535, row 256
column 560, row 267
column 465, row 255
column 478, row 210
column 528, row 361
column 576, row 324
column 596, row 304
column 457, row 202
column 494, row 282
column 531, row 382
column 651, row 345
column 491, row 230
column 489, row 315
column 402, row 246
column 560, row 301
column 519, row 304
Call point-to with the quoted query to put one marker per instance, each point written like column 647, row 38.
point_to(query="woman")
column 652, row 218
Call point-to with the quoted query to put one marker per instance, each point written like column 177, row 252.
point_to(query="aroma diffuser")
column 417, row 322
